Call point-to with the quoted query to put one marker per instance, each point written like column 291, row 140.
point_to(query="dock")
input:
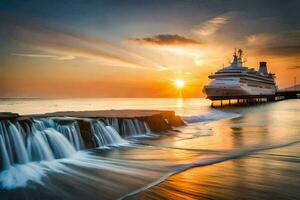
column 253, row 99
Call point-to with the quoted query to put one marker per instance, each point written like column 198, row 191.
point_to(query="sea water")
column 223, row 153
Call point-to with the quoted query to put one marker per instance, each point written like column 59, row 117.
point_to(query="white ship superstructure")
column 235, row 80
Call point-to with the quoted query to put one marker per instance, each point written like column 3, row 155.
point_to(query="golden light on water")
column 179, row 83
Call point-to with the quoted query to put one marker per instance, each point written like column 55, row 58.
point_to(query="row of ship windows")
column 227, row 79
column 268, row 87
column 250, row 85
column 241, row 81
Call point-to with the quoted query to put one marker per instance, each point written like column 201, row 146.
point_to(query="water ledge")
column 157, row 120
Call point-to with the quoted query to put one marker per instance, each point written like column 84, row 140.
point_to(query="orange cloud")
column 165, row 40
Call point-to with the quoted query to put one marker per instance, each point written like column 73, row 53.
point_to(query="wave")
column 212, row 115
column 211, row 161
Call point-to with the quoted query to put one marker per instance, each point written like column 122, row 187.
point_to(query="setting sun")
column 179, row 83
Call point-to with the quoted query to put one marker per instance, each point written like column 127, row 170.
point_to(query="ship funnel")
column 263, row 68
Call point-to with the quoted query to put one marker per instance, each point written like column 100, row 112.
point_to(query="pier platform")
column 252, row 99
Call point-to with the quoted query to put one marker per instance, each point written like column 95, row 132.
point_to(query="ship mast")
column 240, row 52
column 237, row 58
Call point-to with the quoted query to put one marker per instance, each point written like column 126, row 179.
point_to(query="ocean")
column 236, row 152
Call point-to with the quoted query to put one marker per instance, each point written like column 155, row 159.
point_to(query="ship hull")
column 236, row 91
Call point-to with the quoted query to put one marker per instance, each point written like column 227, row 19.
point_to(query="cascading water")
column 41, row 144
column 60, row 146
column 5, row 162
column 48, row 140
column 71, row 131
column 43, row 123
column 6, row 145
column 17, row 142
column 12, row 145
column 106, row 135
column 23, row 152
column 38, row 147
column 134, row 128
column 114, row 122
column 47, row 145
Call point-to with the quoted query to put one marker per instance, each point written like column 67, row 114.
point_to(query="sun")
column 179, row 83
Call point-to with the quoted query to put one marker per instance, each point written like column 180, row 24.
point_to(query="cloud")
column 174, row 44
column 283, row 51
column 44, row 56
column 259, row 39
column 211, row 26
column 165, row 40
column 64, row 43
column 284, row 43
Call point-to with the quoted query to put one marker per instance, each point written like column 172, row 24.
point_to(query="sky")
column 137, row 48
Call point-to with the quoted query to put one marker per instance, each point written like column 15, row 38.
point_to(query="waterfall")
column 71, row 130
column 134, row 128
column 5, row 162
column 24, row 149
column 12, row 141
column 38, row 148
column 72, row 133
column 18, row 145
column 114, row 122
column 43, row 123
column 6, row 138
column 41, row 144
column 12, row 145
column 60, row 146
column 47, row 140
column 106, row 135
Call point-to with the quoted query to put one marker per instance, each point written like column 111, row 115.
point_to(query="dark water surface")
column 232, row 153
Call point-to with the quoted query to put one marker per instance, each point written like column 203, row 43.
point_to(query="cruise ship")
column 236, row 80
